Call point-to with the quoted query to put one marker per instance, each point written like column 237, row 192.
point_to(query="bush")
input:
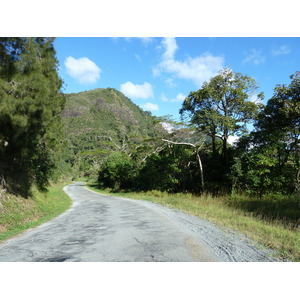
column 117, row 171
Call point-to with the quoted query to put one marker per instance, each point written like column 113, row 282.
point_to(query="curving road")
column 100, row 228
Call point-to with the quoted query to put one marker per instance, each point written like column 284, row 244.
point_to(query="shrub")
column 117, row 171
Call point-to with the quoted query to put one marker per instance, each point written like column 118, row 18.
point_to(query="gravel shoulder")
column 226, row 245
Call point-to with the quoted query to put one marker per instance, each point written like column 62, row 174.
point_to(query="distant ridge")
column 105, row 109
column 93, row 117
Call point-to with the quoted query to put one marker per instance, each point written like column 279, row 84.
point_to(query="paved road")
column 101, row 228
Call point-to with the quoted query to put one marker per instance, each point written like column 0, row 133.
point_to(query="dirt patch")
column 198, row 251
column 2, row 229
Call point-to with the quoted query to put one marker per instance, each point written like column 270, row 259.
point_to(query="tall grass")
column 18, row 214
column 270, row 221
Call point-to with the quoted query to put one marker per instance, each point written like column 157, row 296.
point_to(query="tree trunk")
column 225, row 154
column 297, row 184
column 201, row 169
column 213, row 145
column 198, row 157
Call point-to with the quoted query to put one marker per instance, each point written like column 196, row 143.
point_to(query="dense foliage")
column 30, row 107
column 198, row 157
column 268, row 159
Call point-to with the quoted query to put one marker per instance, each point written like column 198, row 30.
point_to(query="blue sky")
column 157, row 73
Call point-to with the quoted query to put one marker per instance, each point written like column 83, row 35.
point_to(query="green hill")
column 98, row 122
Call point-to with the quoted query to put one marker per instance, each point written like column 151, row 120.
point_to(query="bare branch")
column 198, row 147
column 157, row 150
column 179, row 143
column 108, row 137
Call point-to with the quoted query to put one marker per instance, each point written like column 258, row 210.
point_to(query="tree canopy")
column 30, row 107
column 222, row 106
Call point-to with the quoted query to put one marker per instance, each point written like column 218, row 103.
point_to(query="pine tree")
column 30, row 108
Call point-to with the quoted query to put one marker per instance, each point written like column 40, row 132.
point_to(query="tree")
column 117, row 171
column 267, row 160
column 278, row 128
column 222, row 108
column 190, row 137
column 173, row 169
column 30, row 107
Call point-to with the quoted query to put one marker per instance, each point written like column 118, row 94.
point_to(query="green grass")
column 277, row 233
column 18, row 214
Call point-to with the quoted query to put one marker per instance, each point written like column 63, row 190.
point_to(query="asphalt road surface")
column 99, row 228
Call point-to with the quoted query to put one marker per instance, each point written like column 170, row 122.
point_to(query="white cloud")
column 137, row 91
column 170, row 82
column 170, row 46
column 179, row 98
column 163, row 97
column 150, row 106
column 284, row 49
column 82, row 69
column 254, row 56
column 197, row 69
column 145, row 40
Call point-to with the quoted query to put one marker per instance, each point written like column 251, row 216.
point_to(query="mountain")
column 101, row 120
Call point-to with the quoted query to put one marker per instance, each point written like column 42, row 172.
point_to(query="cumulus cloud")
column 170, row 82
column 284, row 49
column 254, row 56
column 137, row 91
column 197, row 69
column 145, row 40
column 179, row 98
column 82, row 69
column 150, row 106
column 170, row 46
column 163, row 97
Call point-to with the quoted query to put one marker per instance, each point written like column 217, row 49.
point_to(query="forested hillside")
column 101, row 121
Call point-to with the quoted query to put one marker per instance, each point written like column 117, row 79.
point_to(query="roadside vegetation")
column 269, row 222
column 32, row 135
column 18, row 214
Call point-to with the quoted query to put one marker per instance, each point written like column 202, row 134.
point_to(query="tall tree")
column 30, row 107
column 191, row 138
column 278, row 128
column 222, row 108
